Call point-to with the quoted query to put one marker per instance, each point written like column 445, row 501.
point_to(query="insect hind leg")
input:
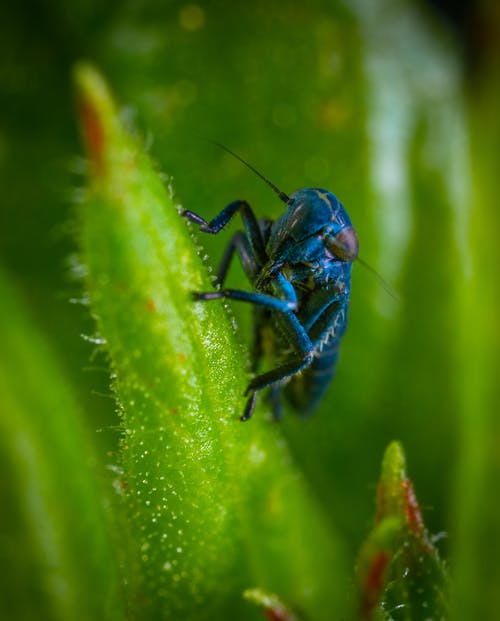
column 304, row 355
column 281, row 374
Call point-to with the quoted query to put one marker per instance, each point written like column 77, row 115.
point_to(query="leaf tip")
column 96, row 111
column 392, row 478
column 396, row 495
column 272, row 606
column 394, row 460
column 398, row 564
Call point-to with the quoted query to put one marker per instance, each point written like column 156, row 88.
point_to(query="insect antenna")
column 384, row 284
column 284, row 197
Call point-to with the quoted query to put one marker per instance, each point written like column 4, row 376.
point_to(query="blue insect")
column 300, row 270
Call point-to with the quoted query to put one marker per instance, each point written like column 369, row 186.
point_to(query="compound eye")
column 344, row 244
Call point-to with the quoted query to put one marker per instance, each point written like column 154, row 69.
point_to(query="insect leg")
column 305, row 392
column 276, row 404
column 249, row 407
column 260, row 299
column 294, row 333
column 300, row 341
column 240, row 244
column 316, row 306
column 250, row 222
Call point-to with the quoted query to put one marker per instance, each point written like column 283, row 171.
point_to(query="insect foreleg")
column 219, row 222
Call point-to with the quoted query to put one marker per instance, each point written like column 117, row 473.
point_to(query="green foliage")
column 476, row 512
column 364, row 98
column 51, row 501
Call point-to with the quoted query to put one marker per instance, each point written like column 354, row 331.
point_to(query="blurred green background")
column 387, row 104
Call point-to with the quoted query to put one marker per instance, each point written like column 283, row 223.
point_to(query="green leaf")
column 213, row 505
column 476, row 513
column 56, row 552
column 401, row 575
